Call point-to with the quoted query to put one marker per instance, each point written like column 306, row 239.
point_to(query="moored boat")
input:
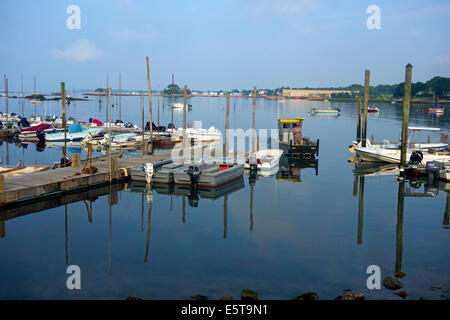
column 333, row 111
column 208, row 175
column 291, row 140
column 74, row 133
column 266, row 160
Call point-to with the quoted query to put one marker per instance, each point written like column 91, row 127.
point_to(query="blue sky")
column 222, row 44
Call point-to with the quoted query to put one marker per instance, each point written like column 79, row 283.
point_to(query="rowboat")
column 24, row 170
column 266, row 160
column 208, row 175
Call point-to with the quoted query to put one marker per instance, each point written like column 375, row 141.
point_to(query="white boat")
column 325, row 111
column 208, row 175
column 36, row 102
column 393, row 155
column 178, row 105
column 266, row 159
column 74, row 133
column 211, row 134
column 413, row 131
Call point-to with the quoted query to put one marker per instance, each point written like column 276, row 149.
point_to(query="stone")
column 199, row 297
column 248, row 294
column 392, row 283
column 226, row 298
column 401, row 294
column 307, row 296
column 131, row 298
column 353, row 296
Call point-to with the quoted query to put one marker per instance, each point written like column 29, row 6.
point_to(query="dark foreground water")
column 302, row 231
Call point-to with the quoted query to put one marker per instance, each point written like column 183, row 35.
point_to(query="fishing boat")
column 266, row 160
column 24, row 170
column 198, row 134
column 331, row 111
column 208, row 175
column 74, row 133
column 291, row 140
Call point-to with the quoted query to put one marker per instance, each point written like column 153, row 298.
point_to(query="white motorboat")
column 266, row 160
column 208, row 175
column 74, row 133
column 178, row 105
column 393, row 155
column 413, row 131
column 333, row 111
column 211, row 134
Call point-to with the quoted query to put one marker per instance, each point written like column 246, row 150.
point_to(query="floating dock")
column 54, row 183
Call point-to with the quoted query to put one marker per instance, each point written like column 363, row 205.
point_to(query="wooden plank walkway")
column 36, row 186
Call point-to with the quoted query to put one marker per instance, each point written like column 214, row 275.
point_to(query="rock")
column 131, row 298
column 198, row 297
column 350, row 295
column 307, row 296
column 399, row 274
column 226, row 298
column 401, row 294
column 247, row 294
column 392, row 283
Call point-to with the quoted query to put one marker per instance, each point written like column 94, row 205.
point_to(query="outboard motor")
column 432, row 168
column 67, row 161
column 194, row 174
column 170, row 126
column 252, row 161
column 416, row 157
column 40, row 135
column 128, row 125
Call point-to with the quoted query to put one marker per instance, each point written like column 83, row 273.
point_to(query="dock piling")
column 253, row 120
column 406, row 108
column 366, row 107
column 64, row 124
column 358, row 120
column 149, row 103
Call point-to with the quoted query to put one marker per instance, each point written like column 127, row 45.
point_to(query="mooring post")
column 366, row 107
column 63, row 112
column 172, row 95
column 227, row 126
column 253, row 120
column 358, row 120
column 2, row 188
column 406, row 107
column 120, row 96
column 150, row 105
column 185, row 143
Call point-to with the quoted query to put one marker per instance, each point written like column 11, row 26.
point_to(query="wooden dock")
column 54, row 183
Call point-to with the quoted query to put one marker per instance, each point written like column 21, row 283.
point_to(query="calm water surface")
column 292, row 237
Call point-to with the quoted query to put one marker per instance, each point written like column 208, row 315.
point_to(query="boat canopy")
column 75, row 127
column 296, row 119
column 423, row 129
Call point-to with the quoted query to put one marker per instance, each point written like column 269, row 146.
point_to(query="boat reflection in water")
column 290, row 167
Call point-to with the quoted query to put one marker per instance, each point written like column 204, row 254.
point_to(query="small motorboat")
column 266, row 160
column 35, row 132
column 333, row 111
column 208, row 175
column 373, row 110
column 198, row 134
column 74, row 133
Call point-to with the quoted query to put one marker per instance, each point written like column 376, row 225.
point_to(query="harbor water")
column 306, row 230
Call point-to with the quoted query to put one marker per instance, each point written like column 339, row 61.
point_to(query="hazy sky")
column 221, row 44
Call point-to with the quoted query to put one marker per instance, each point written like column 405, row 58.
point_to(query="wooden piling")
column 172, row 96
column 2, row 188
column 120, row 96
column 64, row 124
column 366, row 107
column 184, row 117
column 406, row 108
column 149, row 102
column 358, row 120
column 6, row 104
column 253, row 120
column 227, row 126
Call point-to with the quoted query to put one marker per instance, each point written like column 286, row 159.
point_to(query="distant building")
column 294, row 93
